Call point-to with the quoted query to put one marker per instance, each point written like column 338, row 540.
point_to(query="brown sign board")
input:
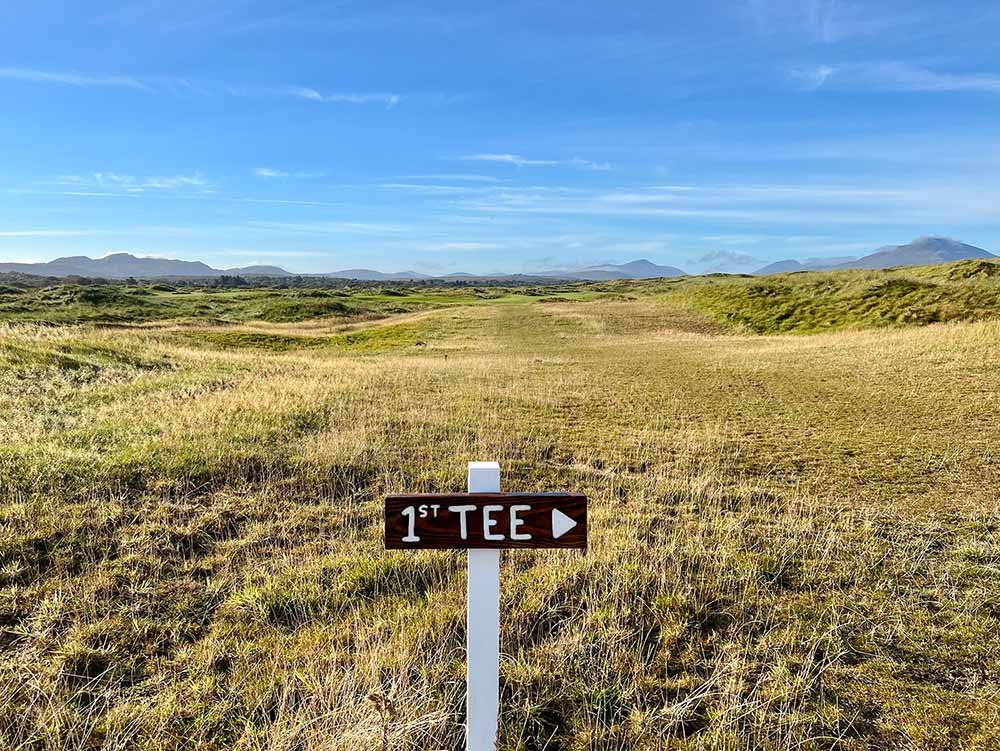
column 485, row 520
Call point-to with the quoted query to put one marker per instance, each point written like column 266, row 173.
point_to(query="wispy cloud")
column 751, row 204
column 172, row 84
column 458, row 177
column 728, row 194
column 280, row 201
column 269, row 172
column 811, row 77
column 72, row 193
column 23, row 233
column 256, row 256
column 828, row 21
column 515, row 159
column 322, row 228
column 133, row 184
column 739, row 239
column 587, row 164
column 520, row 161
column 893, row 76
column 200, row 195
column 117, row 185
column 71, row 79
column 437, row 189
column 725, row 260
column 389, row 100
column 458, row 246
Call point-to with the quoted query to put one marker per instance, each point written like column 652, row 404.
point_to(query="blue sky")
column 443, row 136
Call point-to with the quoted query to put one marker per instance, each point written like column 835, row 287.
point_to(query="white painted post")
column 483, row 628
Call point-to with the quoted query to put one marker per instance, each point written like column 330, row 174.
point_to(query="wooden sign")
column 482, row 521
column 468, row 521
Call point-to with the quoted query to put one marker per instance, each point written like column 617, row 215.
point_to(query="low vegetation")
column 829, row 301
column 795, row 540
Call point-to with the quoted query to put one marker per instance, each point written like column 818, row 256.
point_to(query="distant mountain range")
column 810, row 264
column 370, row 275
column 641, row 269
column 125, row 265
column 922, row 251
column 925, row 250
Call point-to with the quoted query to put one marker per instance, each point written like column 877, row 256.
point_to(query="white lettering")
column 489, row 523
column 411, row 513
column 515, row 523
column 462, row 525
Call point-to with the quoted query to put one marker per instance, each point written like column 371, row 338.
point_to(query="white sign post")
column 484, row 521
column 483, row 628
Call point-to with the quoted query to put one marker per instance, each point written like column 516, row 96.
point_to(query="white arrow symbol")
column 561, row 524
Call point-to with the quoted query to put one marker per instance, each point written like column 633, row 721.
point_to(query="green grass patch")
column 375, row 339
column 254, row 340
column 814, row 302
column 381, row 338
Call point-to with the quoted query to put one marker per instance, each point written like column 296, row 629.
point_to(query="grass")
column 794, row 539
column 807, row 303
column 129, row 304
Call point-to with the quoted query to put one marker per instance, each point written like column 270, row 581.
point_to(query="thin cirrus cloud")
column 587, row 164
column 458, row 177
column 71, row 78
column 437, row 189
column 828, row 21
column 515, row 159
column 173, row 84
column 520, row 161
column 892, row 76
column 388, row 99
column 861, row 204
column 117, row 185
column 25, row 233
column 459, row 246
column 203, row 195
column 136, row 184
column 757, row 194
column 269, row 172
column 811, row 77
column 334, row 227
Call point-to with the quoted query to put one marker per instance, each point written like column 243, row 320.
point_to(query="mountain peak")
column 638, row 269
column 919, row 252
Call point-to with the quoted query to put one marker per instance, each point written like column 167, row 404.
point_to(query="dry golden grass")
column 793, row 539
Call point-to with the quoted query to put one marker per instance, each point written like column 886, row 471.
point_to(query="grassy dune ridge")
column 829, row 301
column 794, row 538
